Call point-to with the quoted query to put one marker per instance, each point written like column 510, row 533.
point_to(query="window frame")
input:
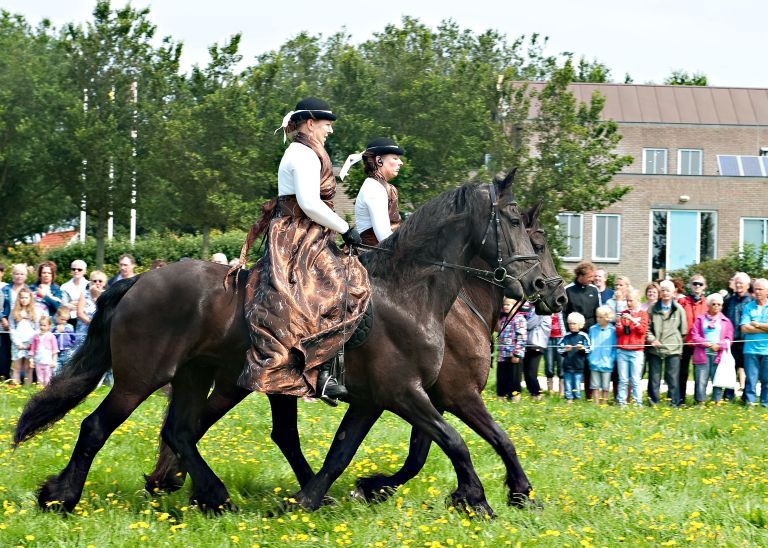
column 680, row 162
column 595, row 257
column 666, row 160
column 567, row 236
column 741, row 229
column 715, row 232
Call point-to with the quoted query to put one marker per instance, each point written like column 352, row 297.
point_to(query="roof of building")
column 678, row 104
column 53, row 240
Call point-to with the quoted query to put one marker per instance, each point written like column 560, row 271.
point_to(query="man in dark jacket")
column 584, row 298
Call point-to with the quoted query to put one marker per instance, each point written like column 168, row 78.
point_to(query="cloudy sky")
column 724, row 40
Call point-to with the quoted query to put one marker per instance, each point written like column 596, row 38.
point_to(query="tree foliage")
column 682, row 78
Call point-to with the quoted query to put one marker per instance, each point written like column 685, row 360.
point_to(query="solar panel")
column 729, row 166
column 751, row 166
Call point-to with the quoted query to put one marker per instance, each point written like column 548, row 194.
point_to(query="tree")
column 36, row 157
column 682, row 78
column 111, row 61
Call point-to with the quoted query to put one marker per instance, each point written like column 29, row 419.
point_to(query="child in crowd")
column 513, row 333
column 574, row 347
column 631, row 327
column 553, row 361
column 602, row 354
column 65, row 337
column 44, row 351
column 23, row 329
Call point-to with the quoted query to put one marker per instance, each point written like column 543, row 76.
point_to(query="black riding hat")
column 312, row 107
column 384, row 145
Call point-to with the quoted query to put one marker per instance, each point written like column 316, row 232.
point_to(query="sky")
column 726, row 41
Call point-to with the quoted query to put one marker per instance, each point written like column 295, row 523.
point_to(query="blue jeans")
column 756, row 369
column 702, row 374
column 630, row 366
column 572, row 384
column 553, row 360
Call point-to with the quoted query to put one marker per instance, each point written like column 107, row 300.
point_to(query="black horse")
column 462, row 377
column 179, row 325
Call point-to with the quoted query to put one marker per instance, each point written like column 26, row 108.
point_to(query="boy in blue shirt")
column 602, row 354
column 574, row 347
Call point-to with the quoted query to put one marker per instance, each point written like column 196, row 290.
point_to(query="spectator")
column 651, row 295
column 733, row 307
column 694, row 305
column 754, row 326
column 86, row 308
column 631, row 328
column 618, row 302
column 70, row 290
column 127, row 264
column 679, row 288
column 23, row 322
column 157, row 263
column 43, row 352
column 9, row 293
column 553, row 361
column 511, row 349
column 709, row 334
column 667, row 329
column 600, row 281
column 602, row 354
column 584, row 298
column 65, row 337
column 574, row 348
column 46, row 292
column 219, row 258
column 538, row 338
column 5, row 341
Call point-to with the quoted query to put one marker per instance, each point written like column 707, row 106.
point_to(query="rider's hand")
column 352, row 237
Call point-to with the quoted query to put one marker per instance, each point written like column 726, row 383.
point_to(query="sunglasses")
column 77, row 269
column 97, row 281
column 697, row 283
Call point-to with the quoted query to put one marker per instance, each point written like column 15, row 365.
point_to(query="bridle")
column 496, row 276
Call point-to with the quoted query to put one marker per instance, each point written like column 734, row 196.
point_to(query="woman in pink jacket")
column 710, row 332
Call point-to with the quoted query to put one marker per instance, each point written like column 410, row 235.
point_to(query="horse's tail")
column 81, row 375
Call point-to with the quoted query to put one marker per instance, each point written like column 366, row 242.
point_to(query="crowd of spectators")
column 607, row 339
column 41, row 323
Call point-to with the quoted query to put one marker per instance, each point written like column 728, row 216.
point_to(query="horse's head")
column 505, row 243
column 552, row 298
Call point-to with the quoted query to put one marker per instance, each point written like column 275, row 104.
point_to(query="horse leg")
column 474, row 414
column 355, row 425
column 380, row 487
column 180, row 432
column 169, row 475
column 419, row 411
column 285, row 434
column 63, row 491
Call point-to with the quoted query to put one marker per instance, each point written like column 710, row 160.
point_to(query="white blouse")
column 299, row 174
column 372, row 209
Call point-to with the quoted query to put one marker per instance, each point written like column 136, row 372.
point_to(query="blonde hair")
column 604, row 312
column 62, row 312
column 18, row 308
column 46, row 320
column 576, row 318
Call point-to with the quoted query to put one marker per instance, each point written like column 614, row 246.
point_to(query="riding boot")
column 328, row 388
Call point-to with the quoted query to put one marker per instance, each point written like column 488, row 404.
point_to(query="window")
column 689, row 161
column 680, row 238
column 655, row 161
column 606, row 235
column 754, row 231
column 571, row 227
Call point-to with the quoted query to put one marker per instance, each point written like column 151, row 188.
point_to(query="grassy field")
column 606, row 476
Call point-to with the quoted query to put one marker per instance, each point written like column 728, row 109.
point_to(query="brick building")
column 699, row 179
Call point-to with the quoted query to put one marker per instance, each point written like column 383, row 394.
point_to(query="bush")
column 167, row 246
column 718, row 272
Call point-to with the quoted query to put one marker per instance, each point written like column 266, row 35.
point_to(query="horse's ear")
column 507, row 181
column 532, row 215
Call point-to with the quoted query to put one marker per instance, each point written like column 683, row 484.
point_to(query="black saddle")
column 363, row 329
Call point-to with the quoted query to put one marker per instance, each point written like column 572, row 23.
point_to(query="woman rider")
column 304, row 297
column 376, row 206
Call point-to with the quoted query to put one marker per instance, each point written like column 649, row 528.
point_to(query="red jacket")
column 693, row 310
column 635, row 340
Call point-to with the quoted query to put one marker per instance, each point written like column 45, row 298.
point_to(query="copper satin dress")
column 295, row 298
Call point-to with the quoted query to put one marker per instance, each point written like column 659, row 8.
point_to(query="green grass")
column 605, row 475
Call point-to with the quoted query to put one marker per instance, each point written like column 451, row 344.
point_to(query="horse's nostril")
column 562, row 300
column 539, row 284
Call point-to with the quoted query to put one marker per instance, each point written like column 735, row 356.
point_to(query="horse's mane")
column 423, row 235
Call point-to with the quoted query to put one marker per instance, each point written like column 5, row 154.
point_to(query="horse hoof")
column 373, row 489
column 213, row 508
column 481, row 509
column 524, row 502
column 51, row 499
column 160, row 485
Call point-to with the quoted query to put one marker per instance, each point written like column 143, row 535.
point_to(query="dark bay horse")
column 179, row 325
column 462, row 377
column 464, row 374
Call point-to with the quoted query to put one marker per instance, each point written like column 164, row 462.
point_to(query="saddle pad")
column 363, row 329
